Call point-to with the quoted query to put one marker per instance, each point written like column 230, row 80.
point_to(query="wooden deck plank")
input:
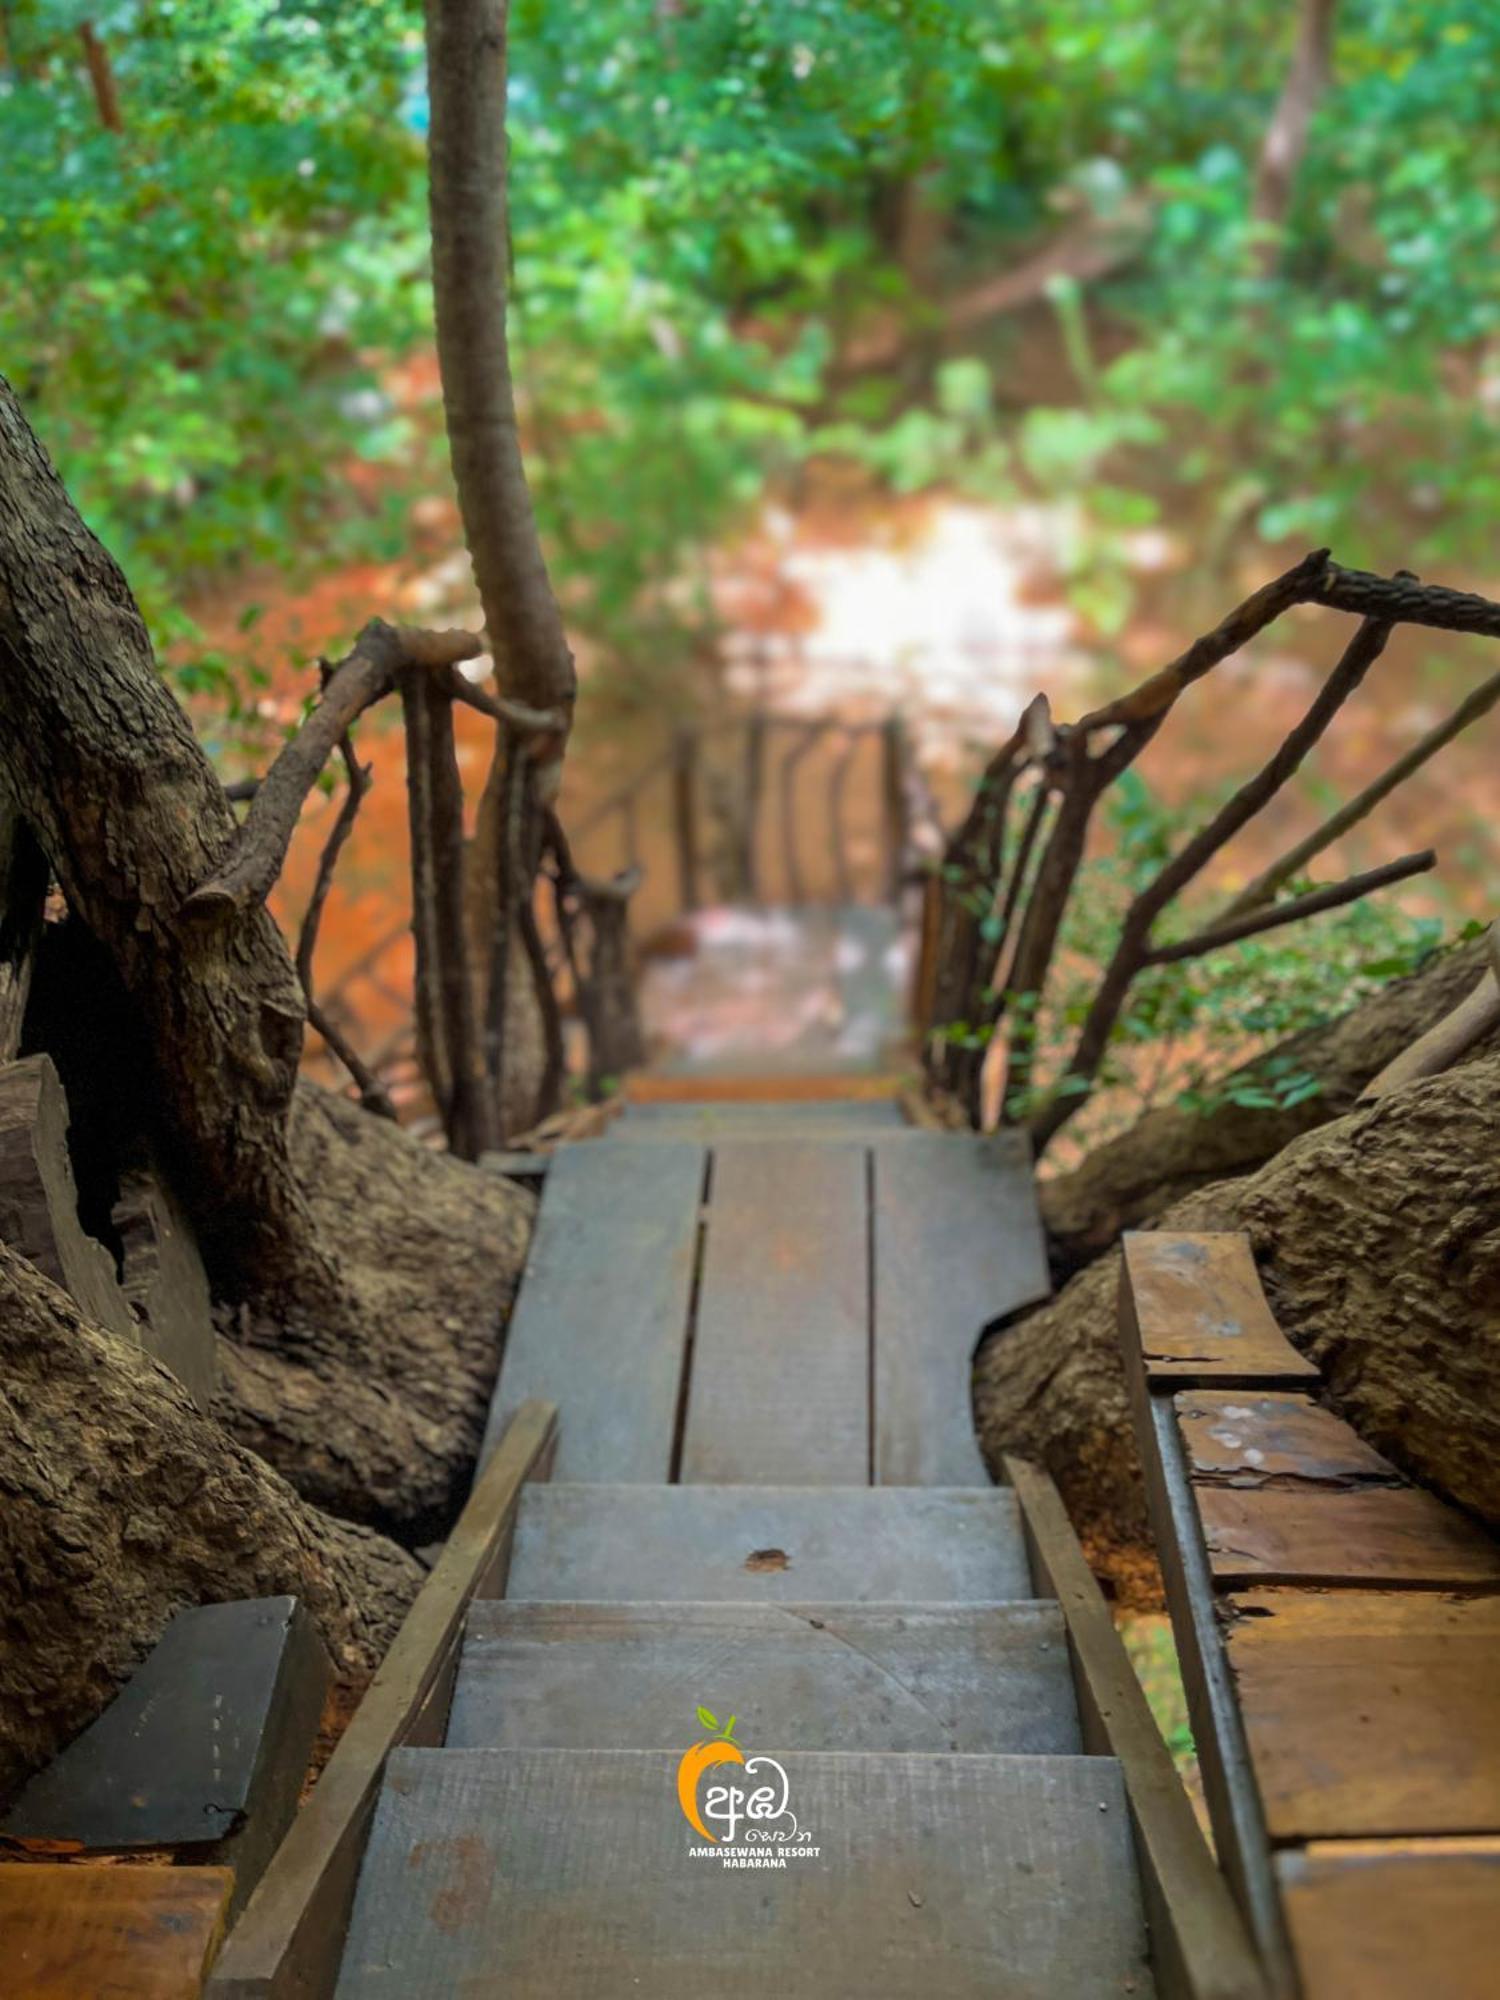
column 600, row 1326
column 1192, row 1310
column 566, row 1875
column 1238, row 1436
column 132, row 1932
column 1370, row 1713
column 818, row 1677
column 787, row 1545
column 1393, row 1535
column 1392, row 1921
column 957, row 1243
column 780, row 1383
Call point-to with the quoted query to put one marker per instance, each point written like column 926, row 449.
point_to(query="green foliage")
column 194, row 308
column 708, row 201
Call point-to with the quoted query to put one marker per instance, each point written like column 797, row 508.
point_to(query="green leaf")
column 707, row 1717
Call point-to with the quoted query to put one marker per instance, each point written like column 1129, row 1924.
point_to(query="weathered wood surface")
column 38, row 1198
column 1370, row 1714
column 958, row 1243
column 287, row 1943
column 163, row 1279
column 787, row 1545
column 874, row 1117
column 601, row 1322
column 1200, row 1947
column 1395, row 1921
column 205, row 1746
column 780, row 1385
column 23, row 895
column 566, row 1875
column 652, row 1087
column 1240, row 1438
column 108, row 1933
column 1392, row 1535
column 808, row 1677
column 1192, row 1309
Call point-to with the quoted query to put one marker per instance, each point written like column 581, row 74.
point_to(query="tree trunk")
column 1130, row 1180
column 363, row 1280
column 1378, row 1238
column 120, row 1504
column 1286, row 136
column 103, row 766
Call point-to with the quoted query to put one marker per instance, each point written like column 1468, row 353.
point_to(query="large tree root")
column 378, row 1415
column 121, row 1503
column 1129, row 1181
column 1378, row 1237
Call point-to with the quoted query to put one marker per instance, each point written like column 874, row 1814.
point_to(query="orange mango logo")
column 720, row 1748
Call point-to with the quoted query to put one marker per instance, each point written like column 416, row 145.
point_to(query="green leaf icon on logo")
column 707, row 1717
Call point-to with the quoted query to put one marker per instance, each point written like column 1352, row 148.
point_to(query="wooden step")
column 967, row 1677
column 787, row 1545
column 571, row 1875
column 817, row 1119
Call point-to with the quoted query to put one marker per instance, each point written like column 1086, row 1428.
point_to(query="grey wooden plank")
column 788, row 1545
column 958, row 1243
column 780, row 1382
column 601, row 1322
column 206, row 1746
column 734, row 1120
column 971, row 1677
column 571, row 1875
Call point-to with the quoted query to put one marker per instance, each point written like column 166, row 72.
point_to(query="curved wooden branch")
column 466, row 73
column 246, row 875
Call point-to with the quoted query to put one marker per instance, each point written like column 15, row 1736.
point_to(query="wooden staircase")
column 757, row 1321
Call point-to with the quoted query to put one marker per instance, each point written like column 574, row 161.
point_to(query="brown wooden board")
column 1395, row 1921
column 980, row 1677
column 568, row 1875
column 1243, row 1438
column 1200, row 1947
column 1192, row 1310
column 76, row 1932
column 1394, row 1535
column 286, row 1945
column 601, row 1322
column 958, row 1243
column 206, row 1745
column 1370, row 1714
column 780, row 1384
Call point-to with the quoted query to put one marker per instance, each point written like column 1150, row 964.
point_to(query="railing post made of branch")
column 685, row 813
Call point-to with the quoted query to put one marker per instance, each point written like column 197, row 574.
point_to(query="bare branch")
column 1333, row 897
column 1155, row 696
column 257, row 853
column 373, row 1094
column 1133, row 949
column 1402, row 600
column 1259, row 892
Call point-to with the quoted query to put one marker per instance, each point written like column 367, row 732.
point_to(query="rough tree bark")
column 120, row 1503
column 1130, row 1180
column 1378, row 1237
column 467, row 161
column 337, row 1261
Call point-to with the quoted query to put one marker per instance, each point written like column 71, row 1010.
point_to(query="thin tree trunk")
column 102, row 79
column 1286, row 136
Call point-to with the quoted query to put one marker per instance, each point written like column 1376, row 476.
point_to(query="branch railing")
column 996, row 907
column 724, row 771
